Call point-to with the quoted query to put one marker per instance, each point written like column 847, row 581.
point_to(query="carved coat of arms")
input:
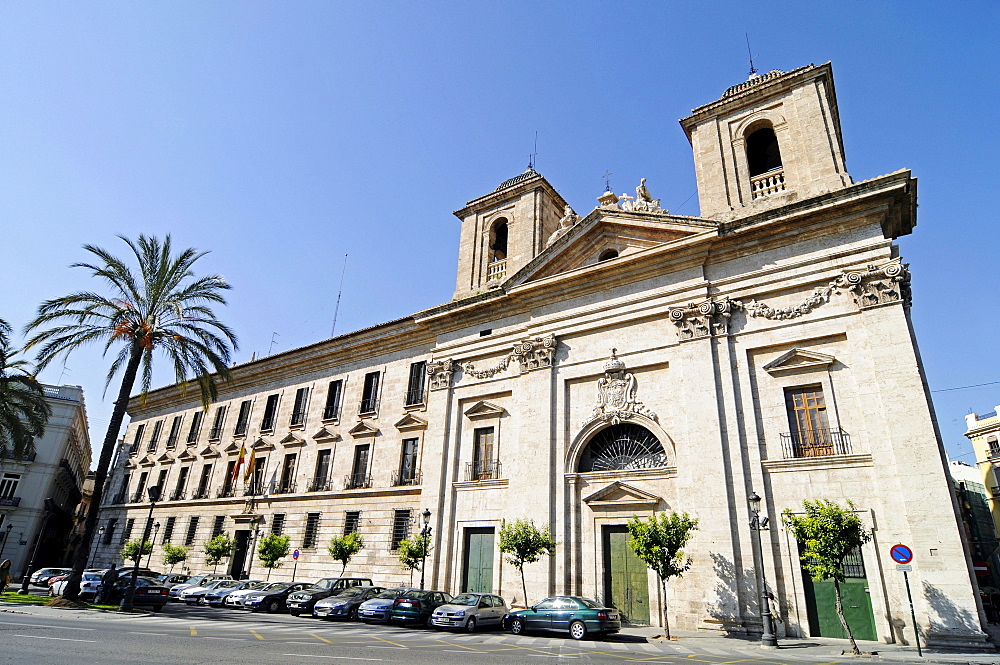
column 616, row 394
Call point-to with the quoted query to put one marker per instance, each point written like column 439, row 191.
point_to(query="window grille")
column 220, row 523
column 168, row 529
column 127, row 531
column 192, row 530
column 400, row 527
column 277, row 523
column 352, row 519
column 312, row 530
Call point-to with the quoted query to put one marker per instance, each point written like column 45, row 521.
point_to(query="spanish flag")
column 239, row 462
column 251, row 465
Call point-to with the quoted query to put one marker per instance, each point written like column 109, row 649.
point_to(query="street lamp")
column 768, row 639
column 152, row 543
column 425, row 535
column 154, row 496
column 97, row 543
column 6, row 535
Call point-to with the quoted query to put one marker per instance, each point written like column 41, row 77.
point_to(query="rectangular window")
column 206, row 476
column 155, row 438
column 400, row 527
column 369, row 397
column 229, row 483
column 482, row 460
column 312, row 530
column 134, row 448
column 127, row 531
column 270, row 411
column 278, row 523
column 220, row 417
column 192, row 530
column 408, row 474
column 333, row 399
column 300, row 406
column 181, row 485
column 161, row 484
column 243, row 419
column 168, row 529
column 810, row 434
column 287, row 483
column 140, row 488
column 415, row 386
column 109, row 532
column 195, row 426
column 175, row 432
column 352, row 519
column 359, row 471
column 220, row 523
column 257, row 481
column 8, row 485
column 322, row 475
column 122, row 496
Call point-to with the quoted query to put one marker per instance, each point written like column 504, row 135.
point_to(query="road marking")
column 61, row 639
column 321, row 638
column 43, row 625
column 238, row 639
column 547, row 655
column 396, row 644
column 194, row 632
column 256, row 634
column 308, row 655
column 142, row 632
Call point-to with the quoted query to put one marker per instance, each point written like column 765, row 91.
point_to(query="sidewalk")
column 811, row 647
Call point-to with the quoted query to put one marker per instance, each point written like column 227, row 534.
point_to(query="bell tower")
column 768, row 141
column 504, row 230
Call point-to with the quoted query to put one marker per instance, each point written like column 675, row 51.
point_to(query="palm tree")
column 162, row 306
column 23, row 409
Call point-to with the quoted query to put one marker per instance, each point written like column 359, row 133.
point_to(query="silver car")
column 236, row 598
column 217, row 596
column 380, row 607
column 90, row 584
column 469, row 611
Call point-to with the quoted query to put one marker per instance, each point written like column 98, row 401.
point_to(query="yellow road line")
column 194, row 631
column 321, row 638
column 257, row 635
column 460, row 646
column 401, row 646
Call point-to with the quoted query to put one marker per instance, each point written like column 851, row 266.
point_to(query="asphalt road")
column 188, row 635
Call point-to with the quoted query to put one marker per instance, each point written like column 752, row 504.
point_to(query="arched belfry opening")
column 622, row 447
column 498, row 240
column 763, row 154
column 607, row 255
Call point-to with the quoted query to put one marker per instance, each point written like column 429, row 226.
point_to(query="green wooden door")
column 821, row 599
column 477, row 574
column 625, row 577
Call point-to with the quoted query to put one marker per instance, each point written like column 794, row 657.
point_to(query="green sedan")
column 573, row 614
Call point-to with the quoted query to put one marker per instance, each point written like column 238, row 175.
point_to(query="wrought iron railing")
column 482, row 470
column 356, row 481
column 120, row 497
column 369, row 405
column 30, row 457
column 226, row 493
column 319, row 485
column 137, row 497
column 414, row 396
column 407, row 479
column 11, row 501
column 201, row 493
column 171, row 442
column 178, row 495
column 815, row 443
column 253, row 488
column 285, row 488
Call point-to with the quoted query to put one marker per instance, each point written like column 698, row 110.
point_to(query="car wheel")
column 273, row 606
column 429, row 623
column 353, row 615
column 516, row 626
column 577, row 630
column 470, row 625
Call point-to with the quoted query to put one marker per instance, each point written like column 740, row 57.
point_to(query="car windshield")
column 322, row 585
column 390, row 593
column 465, row 599
column 227, row 584
column 277, row 586
column 195, row 580
column 146, row 581
column 593, row 604
column 251, row 586
column 91, row 577
column 415, row 593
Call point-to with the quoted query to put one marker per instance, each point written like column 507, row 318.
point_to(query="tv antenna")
column 340, row 290
column 273, row 342
column 607, row 180
column 750, row 53
column 531, row 157
column 63, row 372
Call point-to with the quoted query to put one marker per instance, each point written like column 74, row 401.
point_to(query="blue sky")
column 282, row 136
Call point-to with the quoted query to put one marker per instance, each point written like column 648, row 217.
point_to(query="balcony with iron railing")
column 178, row 495
column 285, row 487
column 815, row 443
column 253, row 488
column 482, row 470
column 319, row 485
column 400, row 480
column 767, row 184
column 355, row 481
column 30, row 457
column 415, row 396
column 368, row 405
column 10, row 501
column 171, row 442
column 137, row 497
column 226, row 493
column 201, row 493
column 993, row 452
column 121, row 497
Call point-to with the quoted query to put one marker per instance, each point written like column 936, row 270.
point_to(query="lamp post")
column 768, row 639
column 6, row 535
column 154, row 496
column 97, row 543
column 152, row 543
column 425, row 535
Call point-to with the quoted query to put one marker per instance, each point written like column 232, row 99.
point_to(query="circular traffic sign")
column 295, row 555
column 901, row 554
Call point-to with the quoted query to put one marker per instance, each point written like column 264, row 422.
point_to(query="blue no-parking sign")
column 295, row 555
column 901, row 554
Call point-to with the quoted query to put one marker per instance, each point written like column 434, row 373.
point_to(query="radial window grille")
column 622, row 447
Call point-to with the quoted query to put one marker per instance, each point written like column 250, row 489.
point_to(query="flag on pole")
column 251, row 465
column 239, row 462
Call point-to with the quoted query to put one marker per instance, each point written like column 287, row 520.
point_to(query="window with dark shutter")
column 359, row 473
column 408, row 474
column 277, row 523
column 312, row 530
column 415, row 386
column 175, row 432
column 220, row 523
column 109, row 532
column 192, row 530
column 127, row 531
column 369, row 397
column 270, row 411
column 168, row 529
column 206, row 475
column 155, row 438
column 243, row 419
column 195, row 426
column 300, row 406
column 134, row 448
column 321, row 476
column 400, row 527
column 333, row 392
column 220, row 417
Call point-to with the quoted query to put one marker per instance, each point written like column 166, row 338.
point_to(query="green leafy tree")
column 160, row 306
column 828, row 534
column 23, row 409
column 659, row 541
column 342, row 548
column 219, row 548
column 271, row 549
column 174, row 554
column 134, row 550
column 525, row 543
column 412, row 552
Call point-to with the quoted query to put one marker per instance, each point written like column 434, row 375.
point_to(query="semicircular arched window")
column 622, row 447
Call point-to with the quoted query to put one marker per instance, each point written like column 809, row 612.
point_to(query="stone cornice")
column 496, row 197
column 811, row 463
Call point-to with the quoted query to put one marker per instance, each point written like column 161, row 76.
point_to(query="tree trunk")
column 343, row 568
column 524, row 588
column 72, row 590
column 663, row 609
column 843, row 619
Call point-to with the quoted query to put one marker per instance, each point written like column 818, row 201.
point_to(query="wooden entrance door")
column 477, row 571
column 626, row 585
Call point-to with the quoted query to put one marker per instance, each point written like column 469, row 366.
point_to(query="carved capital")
column 536, row 353
column 879, row 285
column 709, row 319
column 440, row 372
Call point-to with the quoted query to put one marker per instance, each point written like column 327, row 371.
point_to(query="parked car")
column 345, row 603
column 90, row 584
column 41, row 577
column 302, row 602
column 217, row 596
column 197, row 580
column 579, row 616
column 469, row 611
column 148, row 592
column 236, row 598
column 380, row 607
column 170, row 579
column 416, row 606
column 273, row 600
column 194, row 594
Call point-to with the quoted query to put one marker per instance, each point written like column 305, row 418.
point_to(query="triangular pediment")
column 291, row 440
column 130, row 464
column 363, row 429
column 262, row 444
column 165, row 458
column 210, row 451
column 231, row 449
column 798, row 359
column 323, row 434
column 185, row 456
column 623, row 495
column 147, row 461
column 481, row 410
column 410, row 422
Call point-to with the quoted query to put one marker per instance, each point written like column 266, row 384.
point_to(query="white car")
column 235, row 599
column 90, row 584
column 198, row 580
column 193, row 594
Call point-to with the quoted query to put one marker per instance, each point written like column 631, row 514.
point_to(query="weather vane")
column 531, row 156
column 607, row 180
column 752, row 70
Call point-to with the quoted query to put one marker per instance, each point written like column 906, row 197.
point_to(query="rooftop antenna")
column 273, row 342
column 340, row 290
column 64, row 370
column 750, row 53
column 607, row 180
column 531, row 157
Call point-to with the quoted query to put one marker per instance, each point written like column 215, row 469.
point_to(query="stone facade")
column 623, row 363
